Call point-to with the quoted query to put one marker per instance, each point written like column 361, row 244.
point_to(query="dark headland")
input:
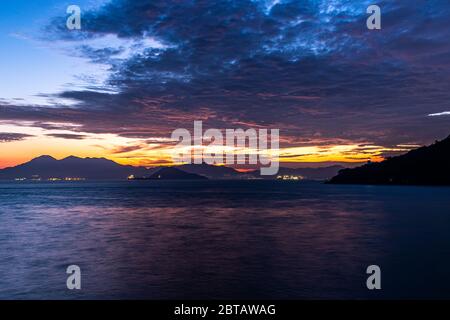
column 423, row 166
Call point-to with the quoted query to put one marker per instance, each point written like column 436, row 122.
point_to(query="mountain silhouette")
column 170, row 173
column 423, row 166
column 211, row 171
column 223, row 172
column 47, row 167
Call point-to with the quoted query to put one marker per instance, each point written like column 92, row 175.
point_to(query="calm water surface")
column 222, row 239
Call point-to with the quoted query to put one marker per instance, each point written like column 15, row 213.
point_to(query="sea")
column 249, row 239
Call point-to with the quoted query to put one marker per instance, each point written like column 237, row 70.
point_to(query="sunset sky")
column 137, row 70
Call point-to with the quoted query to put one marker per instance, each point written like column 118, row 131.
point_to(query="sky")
column 137, row 70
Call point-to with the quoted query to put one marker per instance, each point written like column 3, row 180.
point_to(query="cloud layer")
column 310, row 68
column 8, row 137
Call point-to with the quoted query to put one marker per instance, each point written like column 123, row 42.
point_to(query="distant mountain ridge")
column 171, row 173
column 47, row 167
column 423, row 166
column 210, row 171
column 223, row 172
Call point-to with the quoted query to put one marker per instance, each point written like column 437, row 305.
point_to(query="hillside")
column 47, row 167
column 424, row 166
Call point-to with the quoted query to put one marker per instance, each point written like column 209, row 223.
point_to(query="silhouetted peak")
column 100, row 159
column 87, row 159
column 169, row 170
column 71, row 158
column 44, row 158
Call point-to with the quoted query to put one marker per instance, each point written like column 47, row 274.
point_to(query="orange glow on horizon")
column 137, row 152
column 18, row 152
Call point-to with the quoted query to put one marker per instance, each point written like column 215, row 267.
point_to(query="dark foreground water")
column 223, row 239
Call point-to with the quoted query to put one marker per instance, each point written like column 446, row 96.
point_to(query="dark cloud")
column 68, row 136
column 8, row 137
column 126, row 149
column 308, row 67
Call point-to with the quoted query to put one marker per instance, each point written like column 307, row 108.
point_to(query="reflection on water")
column 222, row 239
